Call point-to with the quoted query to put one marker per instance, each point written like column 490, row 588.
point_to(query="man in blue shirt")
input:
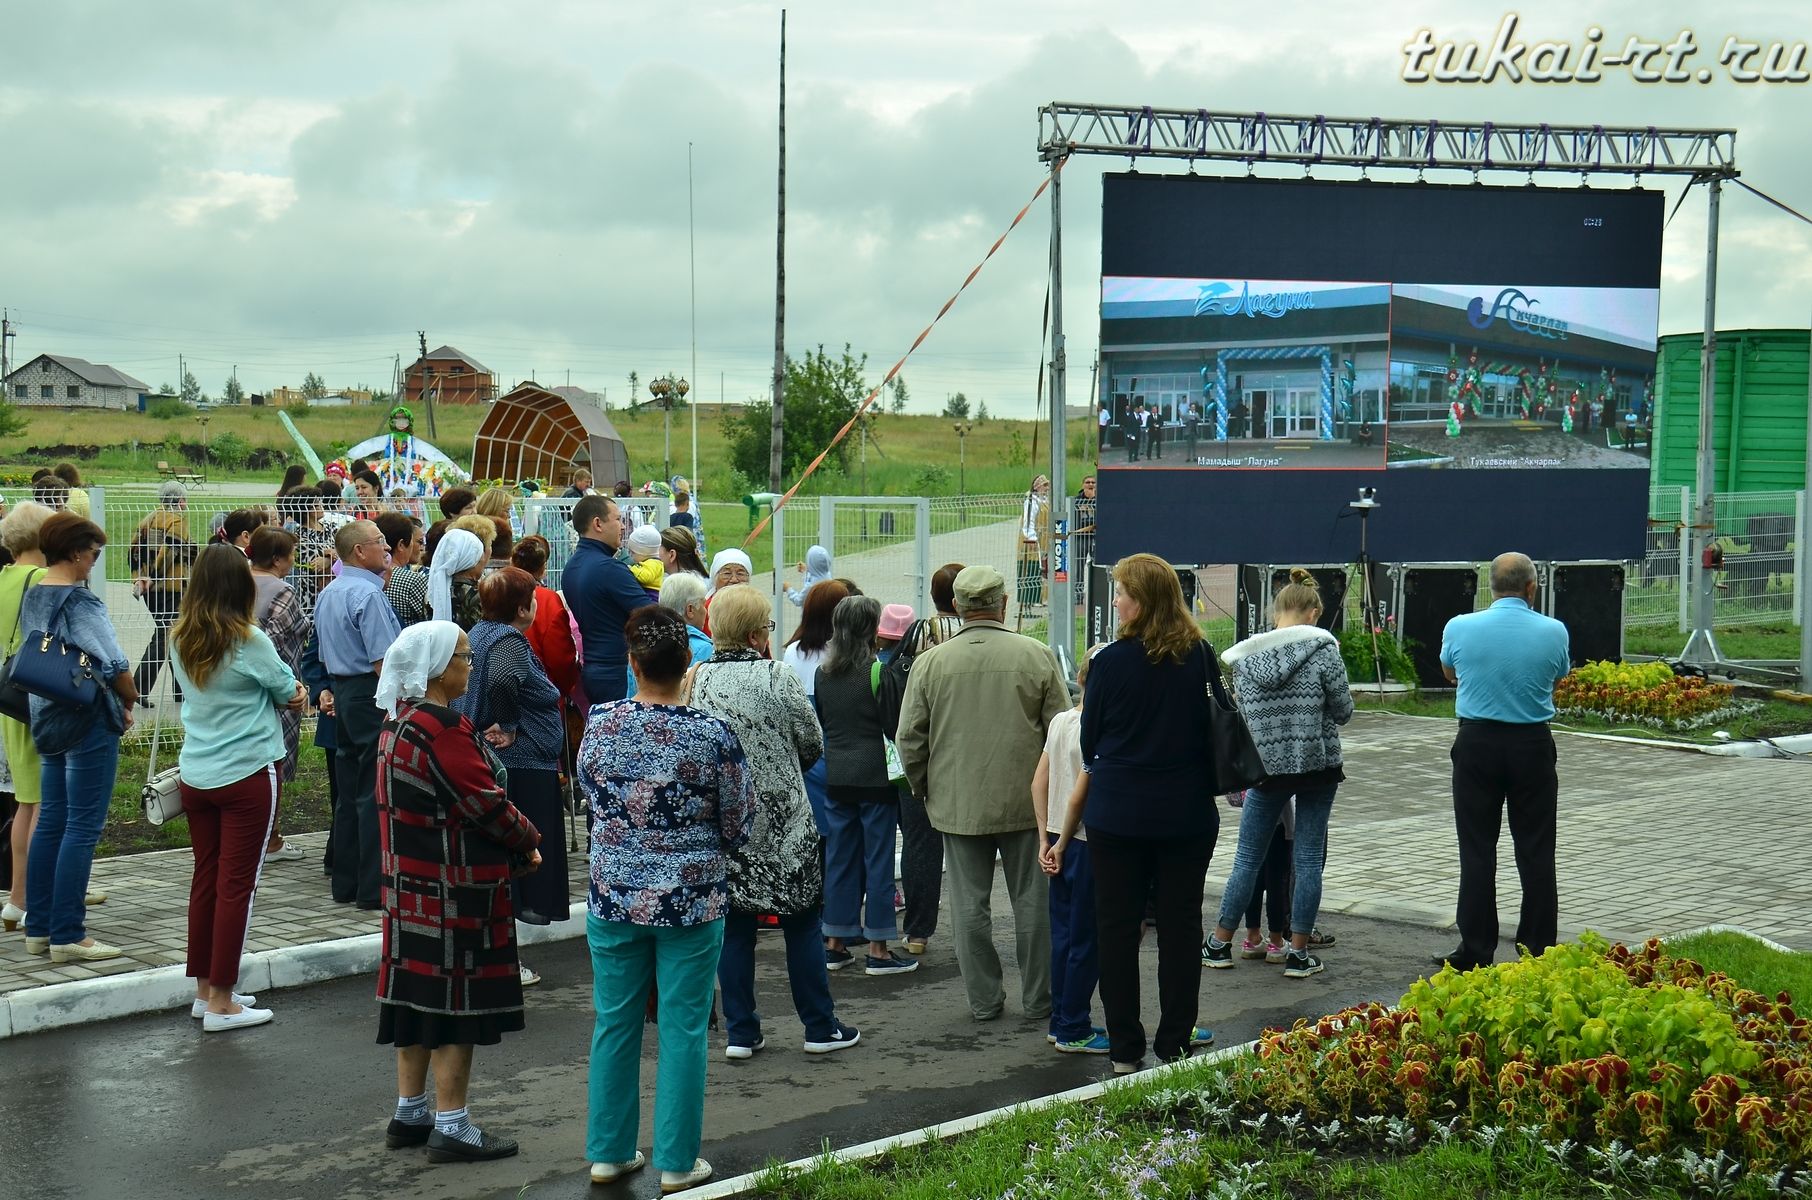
column 601, row 593
column 354, row 627
column 1506, row 661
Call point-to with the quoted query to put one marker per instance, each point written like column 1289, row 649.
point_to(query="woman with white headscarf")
column 453, row 579
column 448, row 976
column 816, row 569
column 729, row 567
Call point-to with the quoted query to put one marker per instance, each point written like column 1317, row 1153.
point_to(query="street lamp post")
column 962, row 456
column 203, row 418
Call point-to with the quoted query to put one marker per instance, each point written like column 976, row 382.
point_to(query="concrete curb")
column 744, row 1185
column 159, row 989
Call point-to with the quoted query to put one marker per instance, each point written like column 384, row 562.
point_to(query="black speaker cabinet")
column 1587, row 597
column 1258, row 583
column 1429, row 596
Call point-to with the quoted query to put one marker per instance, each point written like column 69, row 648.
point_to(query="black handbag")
column 51, row 666
column 15, row 701
column 1237, row 765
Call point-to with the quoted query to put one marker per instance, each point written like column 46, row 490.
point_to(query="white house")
column 58, row 381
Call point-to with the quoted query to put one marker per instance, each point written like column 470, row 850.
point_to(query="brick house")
column 59, row 381
column 456, row 377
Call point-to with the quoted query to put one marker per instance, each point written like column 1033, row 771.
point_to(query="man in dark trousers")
column 601, row 593
column 1506, row 661
column 1154, row 432
column 354, row 626
column 1129, row 429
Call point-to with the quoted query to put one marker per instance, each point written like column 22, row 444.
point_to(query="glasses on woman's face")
column 464, row 656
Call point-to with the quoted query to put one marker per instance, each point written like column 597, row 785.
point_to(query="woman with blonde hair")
column 1294, row 693
column 1148, row 803
column 780, row 870
column 19, row 534
column 232, row 753
column 679, row 552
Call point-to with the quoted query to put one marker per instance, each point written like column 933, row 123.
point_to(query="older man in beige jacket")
column 972, row 725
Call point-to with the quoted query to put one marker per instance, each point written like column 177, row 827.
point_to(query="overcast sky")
column 303, row 186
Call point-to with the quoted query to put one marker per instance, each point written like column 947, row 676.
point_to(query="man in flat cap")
column 972, row 725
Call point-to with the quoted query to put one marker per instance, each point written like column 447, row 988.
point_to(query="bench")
column 166, row 471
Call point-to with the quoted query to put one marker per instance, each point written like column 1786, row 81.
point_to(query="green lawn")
column 1776, row 718
column 1749, row 962
column 1736, row 641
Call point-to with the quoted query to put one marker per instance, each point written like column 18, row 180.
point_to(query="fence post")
column 777, row 527
column 1802, row 566
column 922, row 552
column 827, row 524
column 1686, row 542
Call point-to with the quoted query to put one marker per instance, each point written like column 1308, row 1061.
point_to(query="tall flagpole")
column 692, row 270
column 776, row 434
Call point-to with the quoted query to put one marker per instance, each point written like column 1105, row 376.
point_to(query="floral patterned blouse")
column 670, row 799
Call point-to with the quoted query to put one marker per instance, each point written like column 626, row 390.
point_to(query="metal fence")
column 1763, row 547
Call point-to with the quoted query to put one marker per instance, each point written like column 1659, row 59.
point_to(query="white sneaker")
column 529, row 978
column 679, row 1181
column 609, row 1172
column 245, row 1018
column 734, row 1052
column 287, row 852
column 199, row 1009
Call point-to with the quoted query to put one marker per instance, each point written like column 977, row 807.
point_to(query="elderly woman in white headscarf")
column 729, row 567
column 448, row 976
column 453, row 579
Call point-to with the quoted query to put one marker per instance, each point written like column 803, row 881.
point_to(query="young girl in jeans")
column 1293, row 691
column 1075, row 970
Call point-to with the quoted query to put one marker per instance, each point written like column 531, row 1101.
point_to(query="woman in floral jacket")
column 781, row 870
column 669, row 795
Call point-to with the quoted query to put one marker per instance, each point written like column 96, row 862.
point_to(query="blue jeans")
column 804, row 971
column 818, row 792
column 625, row 959
column 1257, row 824
column 858, row 864
column 1074, row 968
column 77, row 790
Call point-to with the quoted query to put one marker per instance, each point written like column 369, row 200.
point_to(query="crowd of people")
column 726, row 784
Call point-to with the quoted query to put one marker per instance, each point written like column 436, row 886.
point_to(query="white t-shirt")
column 1063, row 742
column 805, row 665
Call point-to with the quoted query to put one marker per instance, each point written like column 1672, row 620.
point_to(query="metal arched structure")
column 532, row 433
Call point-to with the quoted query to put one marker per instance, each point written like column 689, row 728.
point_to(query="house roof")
column 577, row 395
column 454, row 354
column 95, row 373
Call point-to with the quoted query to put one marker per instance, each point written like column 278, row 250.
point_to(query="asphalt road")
column 149, row 1107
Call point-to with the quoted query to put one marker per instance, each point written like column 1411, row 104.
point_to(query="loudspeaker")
column 1099, row 604
column 1258, row 584
column 1588, row 599
column 1429, row 596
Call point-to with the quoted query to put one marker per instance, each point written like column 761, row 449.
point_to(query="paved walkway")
column 1651, row 841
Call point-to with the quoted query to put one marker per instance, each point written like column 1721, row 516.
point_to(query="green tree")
column 635, row 381
column 313, row 387
column 957, row 406
column 12, row 421
column 229, row 450
column 191, row 388
column 822, row 394
column 232, row 393
column 897, row 405
column 981, row 412
column 165, row 389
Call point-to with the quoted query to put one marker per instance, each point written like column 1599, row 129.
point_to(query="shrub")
column 169, row 409
column 1356, row 651
column 1589, row 1043
column 1645, row 694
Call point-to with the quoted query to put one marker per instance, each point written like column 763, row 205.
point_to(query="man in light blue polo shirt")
column 354, row 627
column 1506, row 661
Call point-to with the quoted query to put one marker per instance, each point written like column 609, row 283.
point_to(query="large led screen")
column 1267, row 346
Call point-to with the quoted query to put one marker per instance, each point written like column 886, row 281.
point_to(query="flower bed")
column 1592, row 1070
column 1646, row 694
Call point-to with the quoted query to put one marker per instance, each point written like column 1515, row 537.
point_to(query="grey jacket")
column 1293, row 690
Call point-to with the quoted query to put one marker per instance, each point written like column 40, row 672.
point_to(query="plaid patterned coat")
column 447, row 835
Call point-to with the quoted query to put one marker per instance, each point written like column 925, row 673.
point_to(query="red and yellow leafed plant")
column 1591, row 1042
column 1644, row 693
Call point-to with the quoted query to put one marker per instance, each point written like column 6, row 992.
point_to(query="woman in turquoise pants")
column 669, row 795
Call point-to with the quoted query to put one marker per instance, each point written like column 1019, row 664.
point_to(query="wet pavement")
column 149, row 1107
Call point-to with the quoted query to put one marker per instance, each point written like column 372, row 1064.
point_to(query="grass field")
column 907, row 455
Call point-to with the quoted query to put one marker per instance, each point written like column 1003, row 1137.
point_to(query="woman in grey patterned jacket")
column 781, row 868
column 1292, row 688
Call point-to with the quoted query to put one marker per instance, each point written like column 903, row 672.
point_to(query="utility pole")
column 6, row 338
column 1702, row 645
column 692, row 270
column 776, row 434
column 421, row 336
column 182, row 377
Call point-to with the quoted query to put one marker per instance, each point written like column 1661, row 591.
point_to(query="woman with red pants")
column 234, row 682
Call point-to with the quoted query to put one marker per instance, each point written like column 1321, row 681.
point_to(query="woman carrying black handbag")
column 80, row 748
column 1148, row 801
column 1293, row 689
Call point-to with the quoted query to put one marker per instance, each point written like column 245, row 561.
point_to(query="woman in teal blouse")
column 233, row 684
